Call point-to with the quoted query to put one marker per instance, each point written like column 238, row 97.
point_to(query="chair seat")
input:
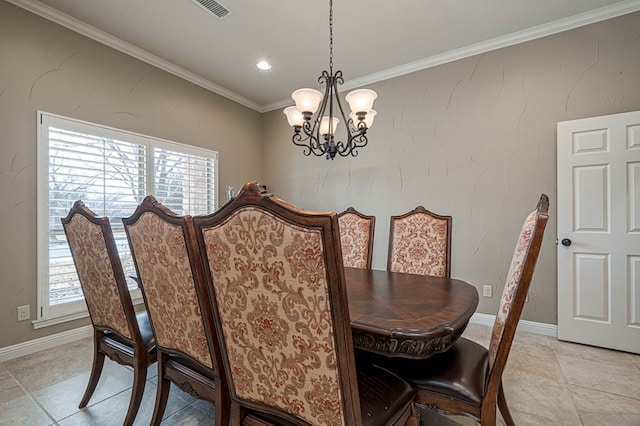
column 146, row 331
column 461, row 372
column 384, row 397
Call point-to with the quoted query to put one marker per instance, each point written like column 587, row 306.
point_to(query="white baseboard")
column 524, row 325
column 47, row 342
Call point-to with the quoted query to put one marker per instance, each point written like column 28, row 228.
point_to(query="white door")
column 599, row 231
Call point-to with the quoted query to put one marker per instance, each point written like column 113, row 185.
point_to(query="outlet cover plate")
column 487, row 291
column 24, row 313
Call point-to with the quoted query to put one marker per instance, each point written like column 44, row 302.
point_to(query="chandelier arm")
column 308, row 129
column 339, row 80
column 356, row 142
column 325, row 79
column 316, row 149
column 298, row 140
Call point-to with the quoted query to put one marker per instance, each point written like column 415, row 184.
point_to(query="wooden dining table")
column 407, row 315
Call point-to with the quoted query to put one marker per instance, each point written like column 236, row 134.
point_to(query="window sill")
column 42, row 323
column 136, row 298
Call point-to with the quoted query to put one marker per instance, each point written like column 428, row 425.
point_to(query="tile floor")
column 547, row 382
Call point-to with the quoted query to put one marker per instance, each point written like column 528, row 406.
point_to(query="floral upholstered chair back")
column 277, row 286
column 158, row 241
column 523, row 263
column 99, row 269
column 356, row 235
column 420, row 243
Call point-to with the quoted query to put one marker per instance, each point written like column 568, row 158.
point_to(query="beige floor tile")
column 618, row 379
column 10, row 389
column 46, row 368
column 433, row 418
column 635, row 359
column 528, row 419
column 23, row 411
column 529, row 340
column 600, row 408
column 190, row 415
column 61, row 400
column 206, row 407
column 112, row 410
column 540, row 361
column 4, row 373
column 479, row 333
column 539, row 397
column 591, row 353
column 547, row 382
column 152, row 370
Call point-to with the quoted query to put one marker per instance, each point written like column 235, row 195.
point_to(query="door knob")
column 566, row 242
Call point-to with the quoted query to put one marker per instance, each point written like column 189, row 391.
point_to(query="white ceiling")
column 373, row 39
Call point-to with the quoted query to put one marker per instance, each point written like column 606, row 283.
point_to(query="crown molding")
column 604, row 13
column 607, row 12
column 100, row 36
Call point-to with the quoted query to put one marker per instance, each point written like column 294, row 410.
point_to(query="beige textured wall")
column 44, row 66
column 474, row 139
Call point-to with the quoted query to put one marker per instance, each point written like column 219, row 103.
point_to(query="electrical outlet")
column 24, row 312
column 487, row 291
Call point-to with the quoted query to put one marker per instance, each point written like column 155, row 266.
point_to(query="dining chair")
column 169, row 271
column 467, row 379
column 420, row 243
column 276, row 283
column 118, row 332
column 356, row 237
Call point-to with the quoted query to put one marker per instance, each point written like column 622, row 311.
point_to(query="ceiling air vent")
column 216, row 8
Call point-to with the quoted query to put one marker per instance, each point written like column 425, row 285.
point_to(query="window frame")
column 48, row 314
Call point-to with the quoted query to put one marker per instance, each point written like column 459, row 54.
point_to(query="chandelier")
column 317, row 135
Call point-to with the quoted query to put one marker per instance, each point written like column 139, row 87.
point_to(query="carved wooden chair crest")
column 420, row 243
column 356, row 236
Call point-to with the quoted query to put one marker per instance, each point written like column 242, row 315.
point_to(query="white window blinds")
column 111, row 171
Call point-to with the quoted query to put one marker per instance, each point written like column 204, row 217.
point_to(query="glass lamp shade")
column 307, row 100
column 294, row 117
column 324, row 125
column 361, row 100
column 368, row 119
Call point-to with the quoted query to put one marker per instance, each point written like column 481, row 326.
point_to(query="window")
column 111, row 171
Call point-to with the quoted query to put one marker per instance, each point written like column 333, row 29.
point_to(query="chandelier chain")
column 331, row 37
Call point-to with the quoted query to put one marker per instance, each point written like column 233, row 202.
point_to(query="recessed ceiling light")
column 263, row 65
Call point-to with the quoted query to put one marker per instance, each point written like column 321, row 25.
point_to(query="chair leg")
column 237, row 414
column 162, row 393
column 223, row 404
column 414, row 417
column 488, row 412
column 139, row 379
column 96, row 371
column 504, row 408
